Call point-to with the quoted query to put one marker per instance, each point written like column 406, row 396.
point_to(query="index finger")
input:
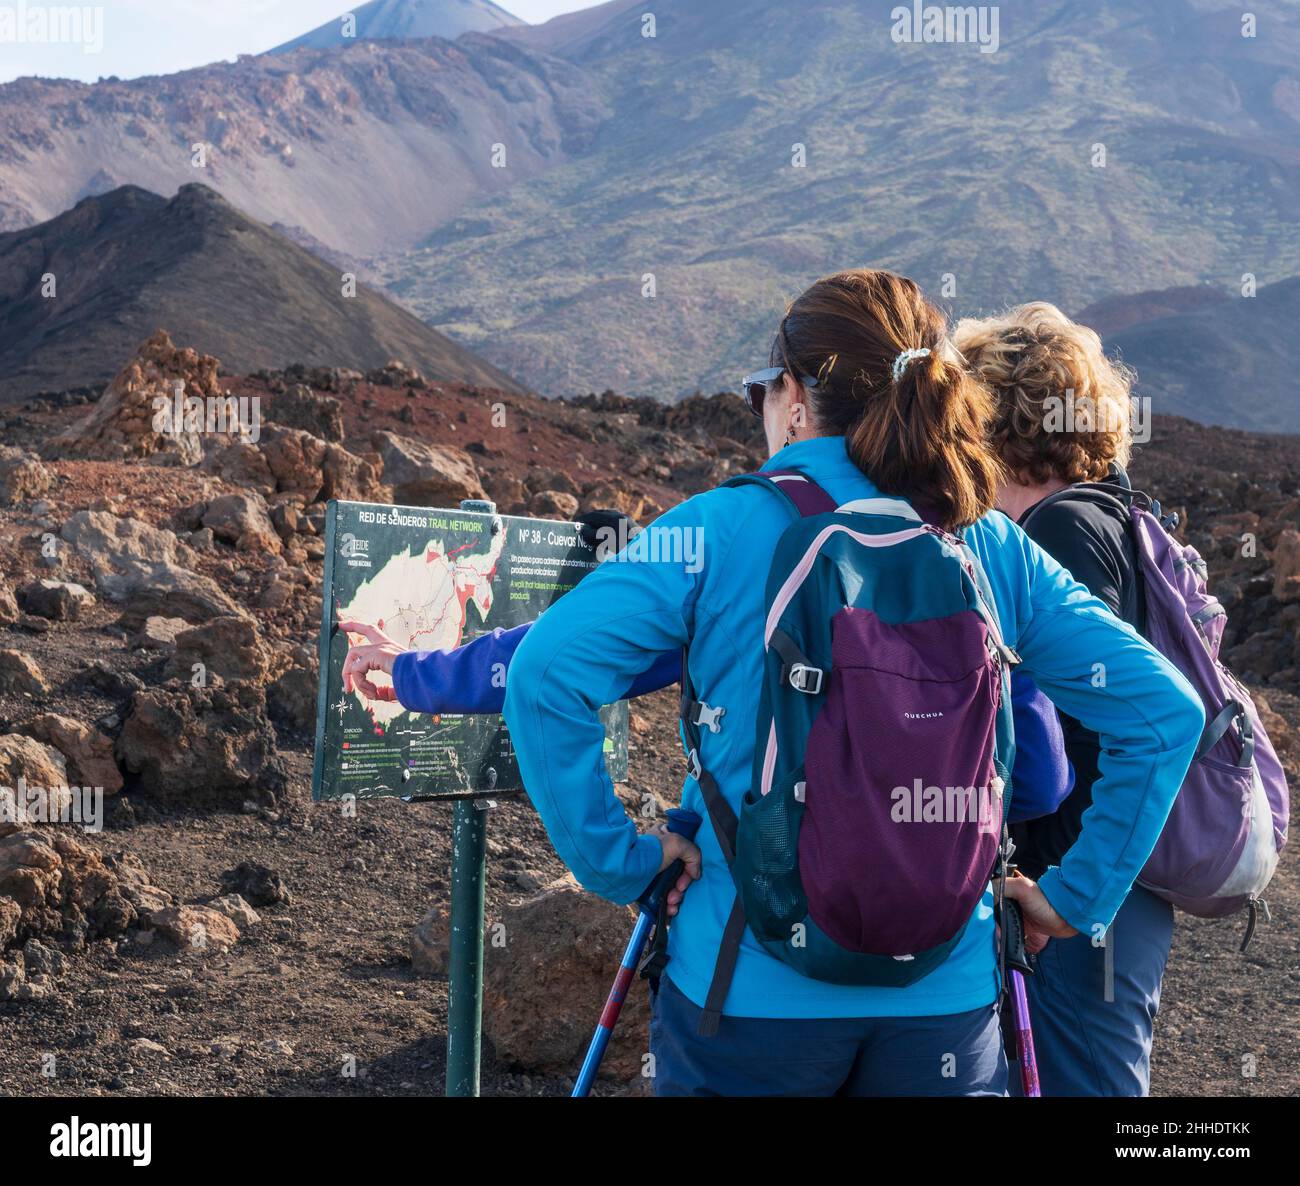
column 372, row 633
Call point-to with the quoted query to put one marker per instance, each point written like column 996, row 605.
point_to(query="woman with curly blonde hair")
column 1062, row 425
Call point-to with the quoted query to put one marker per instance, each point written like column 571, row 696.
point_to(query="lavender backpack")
column 1228, row 825
column 876, row 810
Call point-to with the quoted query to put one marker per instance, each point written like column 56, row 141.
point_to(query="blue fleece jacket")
column 698, row 573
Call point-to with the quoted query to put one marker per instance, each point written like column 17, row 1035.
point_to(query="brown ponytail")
column 921, row 435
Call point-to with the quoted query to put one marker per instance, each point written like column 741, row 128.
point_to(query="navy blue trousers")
column 958, row 1054
column 1092, row 1026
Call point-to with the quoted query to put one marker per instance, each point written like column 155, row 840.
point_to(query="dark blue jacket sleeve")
column 472, row 677
column 1042, row 775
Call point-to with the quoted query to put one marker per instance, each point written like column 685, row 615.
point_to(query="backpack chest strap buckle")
column 706, row 716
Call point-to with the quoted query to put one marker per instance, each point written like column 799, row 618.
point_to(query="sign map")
column 433, row 579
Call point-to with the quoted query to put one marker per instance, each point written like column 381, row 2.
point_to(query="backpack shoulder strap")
column 809, row 499
column 796, row 487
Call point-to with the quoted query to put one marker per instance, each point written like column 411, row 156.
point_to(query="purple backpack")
column 1228, row 825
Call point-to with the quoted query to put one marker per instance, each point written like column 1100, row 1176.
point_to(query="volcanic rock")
column 236, row 909
column 20, row 674
column 540, row 478
column 242, row 520
column 553, row 504
column 62, row 888
column 256, row 884
column 431, row 943
column 320, row 470
column 196, row 928
column 229, row 648
column 22, row 476
column 141, row 564
column 614, row 496
column 28, row 759
column 60, row 601
column 299, row 406
column 8, row 606
column 157, row 633
column 134, row 418
column 136, row 887
column 426, row 475
column 89, row 752
column 543, row 989
column 201, row 745
column 291, row 698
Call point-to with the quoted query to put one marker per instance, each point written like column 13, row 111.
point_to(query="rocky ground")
column 158, row 610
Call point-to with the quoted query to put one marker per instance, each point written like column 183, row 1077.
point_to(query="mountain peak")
column 406, row 20
column 129, row 260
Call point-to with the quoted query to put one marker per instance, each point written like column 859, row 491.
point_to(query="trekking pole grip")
column 1013, row 938
column 683, row 823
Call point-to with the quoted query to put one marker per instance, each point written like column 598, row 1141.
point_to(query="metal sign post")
column 465, row 969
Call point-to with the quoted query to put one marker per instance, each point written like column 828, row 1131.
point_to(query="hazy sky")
column 162, row 36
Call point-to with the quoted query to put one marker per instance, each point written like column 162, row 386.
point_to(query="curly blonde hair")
column 1063, row 407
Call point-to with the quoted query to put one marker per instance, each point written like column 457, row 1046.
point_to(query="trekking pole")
column 684, row 823
column 1017, row 966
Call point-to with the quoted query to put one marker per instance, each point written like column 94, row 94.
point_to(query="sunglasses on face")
column 754, row 387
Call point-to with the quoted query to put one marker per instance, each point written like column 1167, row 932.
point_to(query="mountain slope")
column 1114, row 313
column 723, row 163
column 407, row 20
column 935, row 159
column 130, row 261
column 365, row 146
column 1232, row 363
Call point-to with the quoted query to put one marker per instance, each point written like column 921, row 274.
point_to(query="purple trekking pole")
column 1018, row 966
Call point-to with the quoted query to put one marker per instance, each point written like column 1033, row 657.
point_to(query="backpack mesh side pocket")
column 767, row 859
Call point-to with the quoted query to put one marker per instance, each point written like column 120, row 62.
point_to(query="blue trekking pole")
column 684, row 823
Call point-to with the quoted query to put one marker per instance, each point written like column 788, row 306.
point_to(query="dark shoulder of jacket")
column 1098, row 513
column 1104, row 512
column 1100, row 522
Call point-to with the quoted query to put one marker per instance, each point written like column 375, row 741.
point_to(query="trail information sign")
column 433, row 579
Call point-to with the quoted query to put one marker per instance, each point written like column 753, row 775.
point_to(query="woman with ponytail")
column 866, row 398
